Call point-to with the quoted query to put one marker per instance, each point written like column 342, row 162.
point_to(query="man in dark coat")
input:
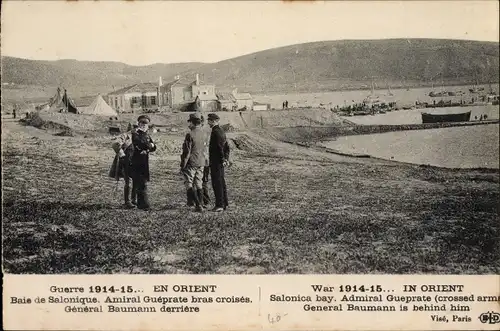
column 143, row 145
column 218, row 159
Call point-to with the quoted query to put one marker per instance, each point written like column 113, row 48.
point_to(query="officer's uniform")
column 143, row 145
column 218, row 154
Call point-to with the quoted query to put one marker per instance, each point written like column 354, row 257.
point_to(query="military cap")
column 143, row 117
column 195, row 117
column 213, row 117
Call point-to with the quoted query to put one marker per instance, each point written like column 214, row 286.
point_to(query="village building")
column 243, row 100
column 183, row 94
column 137, row 97
column 226, row 101
column 204, row 102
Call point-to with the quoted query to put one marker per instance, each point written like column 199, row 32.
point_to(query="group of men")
column 201, row 157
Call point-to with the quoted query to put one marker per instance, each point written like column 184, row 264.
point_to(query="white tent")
column 98, row 107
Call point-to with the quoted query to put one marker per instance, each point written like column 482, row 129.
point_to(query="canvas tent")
column 98, row 107
column 62, row 103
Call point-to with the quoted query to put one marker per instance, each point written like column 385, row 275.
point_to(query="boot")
column 196, row 199
column 145, row 197
column 134, row 196
column 206, row 196
column 201, row 198
column 189, row 196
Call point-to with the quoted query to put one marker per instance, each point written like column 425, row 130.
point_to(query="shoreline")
column 319, row 145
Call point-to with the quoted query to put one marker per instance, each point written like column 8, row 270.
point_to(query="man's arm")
column 186, row 150
column 227, row 151
column 152, row 146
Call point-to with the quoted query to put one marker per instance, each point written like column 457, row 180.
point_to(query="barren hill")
column 326, row 65
column 91, row 77
column 344, row 64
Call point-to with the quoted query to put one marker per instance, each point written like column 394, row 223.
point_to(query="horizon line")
column 254, row 52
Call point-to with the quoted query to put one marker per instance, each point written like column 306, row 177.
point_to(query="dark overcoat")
column 143, row 145
column 122, row 167
column 218, row 149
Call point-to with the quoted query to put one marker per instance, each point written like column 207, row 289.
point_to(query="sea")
column 402, row 97
column 457, row 147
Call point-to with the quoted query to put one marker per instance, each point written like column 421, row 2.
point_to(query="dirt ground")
column 292, row 210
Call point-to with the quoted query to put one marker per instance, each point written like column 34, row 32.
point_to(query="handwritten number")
column 275, row 319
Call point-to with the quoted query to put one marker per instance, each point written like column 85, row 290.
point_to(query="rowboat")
column 442, row 118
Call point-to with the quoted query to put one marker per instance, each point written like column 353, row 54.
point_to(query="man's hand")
column 225, row 163
column 144, row 152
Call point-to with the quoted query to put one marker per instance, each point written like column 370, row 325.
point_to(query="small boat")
column 443, row 118
column 475, row 88
column 438, row 94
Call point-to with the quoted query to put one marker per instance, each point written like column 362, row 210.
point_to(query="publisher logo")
column 490, row 317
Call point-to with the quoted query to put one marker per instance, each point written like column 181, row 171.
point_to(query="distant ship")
column 443, row 118
column 434, row 94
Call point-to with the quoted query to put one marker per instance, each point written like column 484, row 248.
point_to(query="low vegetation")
column 293, row 210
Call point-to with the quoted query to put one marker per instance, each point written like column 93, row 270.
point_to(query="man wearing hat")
column 122, row 165
column 193, row 160
column 219, row 158
column 206, row 170
column 143, row 145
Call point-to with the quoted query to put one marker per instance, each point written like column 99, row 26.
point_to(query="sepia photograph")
column 250, row 137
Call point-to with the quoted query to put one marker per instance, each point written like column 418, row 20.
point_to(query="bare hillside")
column 85, row 76
column 317, row 66
column 346, row 64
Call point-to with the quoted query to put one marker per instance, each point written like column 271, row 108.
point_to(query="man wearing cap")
column 219, row 158
column 206, row 170
column 122, row 165
column 193, row 160
column 143, row 145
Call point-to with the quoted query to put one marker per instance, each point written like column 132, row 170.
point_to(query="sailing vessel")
column 389, row 93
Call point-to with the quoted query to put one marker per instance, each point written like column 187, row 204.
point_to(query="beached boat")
column 441, row 118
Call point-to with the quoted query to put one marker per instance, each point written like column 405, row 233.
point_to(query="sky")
column 146, row 32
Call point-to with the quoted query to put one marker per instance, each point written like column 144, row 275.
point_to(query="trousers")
column 127, row 176
column 141, row 188
column 219, row 185
column 193, row 177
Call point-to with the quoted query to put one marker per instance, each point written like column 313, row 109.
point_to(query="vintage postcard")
column 249, row 165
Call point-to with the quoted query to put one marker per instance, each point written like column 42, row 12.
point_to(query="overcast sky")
column 140, row 33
